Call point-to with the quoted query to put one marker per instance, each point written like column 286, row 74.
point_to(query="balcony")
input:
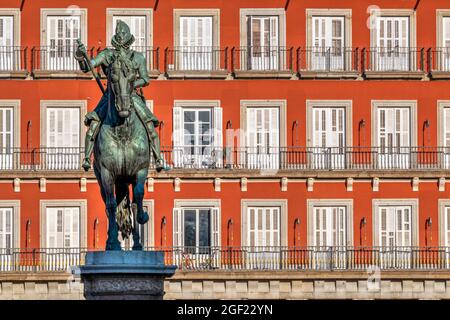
column 262, row 62
column 438, row 60
column 328, row 62
column 13, row 62
column 233, row 160
column 393, row 63
column 196, row 62
column 274, row 258
column 56, row 62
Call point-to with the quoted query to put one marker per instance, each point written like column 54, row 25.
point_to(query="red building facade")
column 318, row 124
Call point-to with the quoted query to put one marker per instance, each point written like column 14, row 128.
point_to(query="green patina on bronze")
column 121, row 135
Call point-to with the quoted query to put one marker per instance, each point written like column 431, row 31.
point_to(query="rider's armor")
column 136, row 63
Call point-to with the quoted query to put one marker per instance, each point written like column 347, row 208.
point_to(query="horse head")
column 122, row 82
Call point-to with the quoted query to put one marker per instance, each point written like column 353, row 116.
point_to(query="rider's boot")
column 89, row 145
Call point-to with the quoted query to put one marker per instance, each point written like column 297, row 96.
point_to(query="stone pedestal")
column 125, row 275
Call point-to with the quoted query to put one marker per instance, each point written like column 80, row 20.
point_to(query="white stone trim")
column 281, row 104
column 15, row 13
column 147, row 12
column 214, row 13
column 412, row 104
column 15, row 205
column 149, row 206
column 280, row 12
column 44, row 204
column 441, row 105
column 347, row 104
column 15, row 105
column 46, row 12
column 81, row 104
column 413, row 203
column 196, row 103
column 440, row 15
column 394, row 13
column 210, row 203
column 347, row 203
column 281, row 203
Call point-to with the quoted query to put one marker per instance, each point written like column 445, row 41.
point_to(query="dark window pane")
column 189, row 116
column 204, row 229
column 189, row 228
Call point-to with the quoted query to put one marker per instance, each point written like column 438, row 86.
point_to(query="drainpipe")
column 22, row 4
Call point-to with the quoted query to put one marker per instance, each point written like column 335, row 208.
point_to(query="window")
column 60, row 30
column 197, row 134
column 197, row 45
column 10, row 58
column 442, row 57
column 6, row 228
column 196, row 225
column 263, row 39
column 395, row 226
column 393, row 40
column 444, row 131
column 330, row 226
column 395, row 133
column 9, row 232
column 9, row 132
column 61, row 133
column 63, row 227
column 329, row 132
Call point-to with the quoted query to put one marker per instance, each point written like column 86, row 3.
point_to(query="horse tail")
column 123, row 218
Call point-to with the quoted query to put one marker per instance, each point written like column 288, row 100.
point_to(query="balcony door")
column 446, row 137
column 196, row 51
column 263, row 237
column 328, row 138
column 263, row 43
column 63, row 227
column 328, row 49
column 395, row 236
column 392, row 52
column 63, row 31
column 6, row 239
column 63, row 139
column 394, row 138
column 6, row 138
column 330, row 236
column 6, row 43
column 263, row 138
column 446, row 222
column 198, row 138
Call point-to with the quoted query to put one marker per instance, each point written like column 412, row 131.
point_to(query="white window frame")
column 16, row 14
column 413, row 203
column 441, row 106
column 15, row 105
column 45, row 104
column 412, row 104
column 440, row 15
column 46, row 12
column 199, row 203
column 81, row 204
column 409, row 13
column 283, row 227
column 313, row 203
column 15, row 205
column 146, row 12
column 217, row 124
column 214, row 13
column 442, row 205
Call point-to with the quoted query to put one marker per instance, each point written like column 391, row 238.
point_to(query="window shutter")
column 177, row 136
column 447, row 226
column 274, row 128
column 383, row 227
column 405, row 124
column 75, row 225
column 447, row 127
column 251, row 126
column 215, row 227
column 51, row 228
column 274, row 42
column 177, row 227
column 446, row 32
column 218, row 134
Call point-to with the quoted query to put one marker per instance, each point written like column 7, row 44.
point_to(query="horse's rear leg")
column 107, row 185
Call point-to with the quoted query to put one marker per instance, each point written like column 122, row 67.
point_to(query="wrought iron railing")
column 394, row 59
column 248, row 158
column 55, row 58
column 13, row 58
column 196, row 58
column 328, row 59
column 326, row 258
column 438, row 59
column 257, row 58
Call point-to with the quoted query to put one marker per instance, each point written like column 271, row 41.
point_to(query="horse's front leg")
column 107, row 184
column 140, row 216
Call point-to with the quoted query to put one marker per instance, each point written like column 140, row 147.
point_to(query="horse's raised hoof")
column 142, row 218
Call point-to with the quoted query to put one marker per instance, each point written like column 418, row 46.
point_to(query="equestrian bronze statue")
column 121, row 135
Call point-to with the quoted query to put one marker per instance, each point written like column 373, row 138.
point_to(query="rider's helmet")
column 123, row 37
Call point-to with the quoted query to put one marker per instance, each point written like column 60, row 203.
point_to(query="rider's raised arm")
column 143, row 80
column 95, row 62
